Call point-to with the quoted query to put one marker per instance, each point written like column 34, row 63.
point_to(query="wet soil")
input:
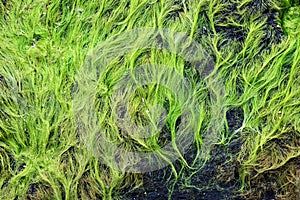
column 218, row 179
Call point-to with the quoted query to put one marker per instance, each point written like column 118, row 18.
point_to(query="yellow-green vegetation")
column 255, row 49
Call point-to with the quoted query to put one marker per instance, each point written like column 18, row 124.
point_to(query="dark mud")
column 218, row 179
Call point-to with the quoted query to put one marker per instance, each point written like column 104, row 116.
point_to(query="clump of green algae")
column 44, row 43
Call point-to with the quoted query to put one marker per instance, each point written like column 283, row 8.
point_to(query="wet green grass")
column 43, row 44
